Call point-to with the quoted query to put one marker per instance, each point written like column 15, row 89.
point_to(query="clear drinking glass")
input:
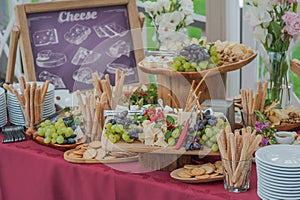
column 237, row 175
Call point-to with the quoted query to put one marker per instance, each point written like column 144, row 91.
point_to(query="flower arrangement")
column 276, row 25
column 169, row 17
column 265, row 129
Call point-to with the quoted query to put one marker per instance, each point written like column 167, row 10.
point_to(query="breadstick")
column 81, row 105
column 203, row 78
column 174, row 102
column 109, row 91
column 6, row 86
column 95, row 123
column 22, row 84
column 259, row 95
column 117, row 76
column 240, row 165
column 188, row 100
column 233, row 150
column 33, row 104
column 253, row 146
column 44, row 91
column 27, row 104
column 38, row 105
column 263, row 98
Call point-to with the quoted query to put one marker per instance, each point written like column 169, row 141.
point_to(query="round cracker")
column 190, row 166
column 100, row 154
column 183, row 174
column 218, row 163
column 205, row 176
column 95, row 144
column 89, row 154
column 209, row 168
column 198, row 171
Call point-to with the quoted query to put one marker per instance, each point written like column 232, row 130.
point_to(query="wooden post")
column 13, row 44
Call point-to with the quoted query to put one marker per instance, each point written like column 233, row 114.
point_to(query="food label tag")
column 79, row 133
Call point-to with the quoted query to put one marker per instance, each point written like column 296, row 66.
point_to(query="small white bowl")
column 285, row 137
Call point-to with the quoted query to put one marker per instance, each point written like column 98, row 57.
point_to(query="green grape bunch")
column 195, row 58
column 56, row 132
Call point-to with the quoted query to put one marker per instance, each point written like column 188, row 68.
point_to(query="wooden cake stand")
column 178, row 84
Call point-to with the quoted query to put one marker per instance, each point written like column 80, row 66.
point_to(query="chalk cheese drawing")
column 84, row 56
column 49, row 59
column 45, row 37
column 53, row 78
column 77, row 34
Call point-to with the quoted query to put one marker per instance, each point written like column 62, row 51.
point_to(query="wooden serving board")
column 142, row 148
column 72, row 159
column 288, row 127
column 195, row 75
column 174, row 175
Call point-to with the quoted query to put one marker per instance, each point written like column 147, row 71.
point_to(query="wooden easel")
column 13, row 46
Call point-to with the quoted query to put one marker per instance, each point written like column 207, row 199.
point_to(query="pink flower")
column 292, row 24
column 292, row 1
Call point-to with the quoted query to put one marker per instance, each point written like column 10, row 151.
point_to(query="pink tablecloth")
column 29, row 171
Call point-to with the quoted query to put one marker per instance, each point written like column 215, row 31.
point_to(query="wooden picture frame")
column 26, row 42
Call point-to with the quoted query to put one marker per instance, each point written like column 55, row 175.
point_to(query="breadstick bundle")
column 105, row 97
column 194, row 95
column 252, row 102
column 31, row 99
column 236, row 151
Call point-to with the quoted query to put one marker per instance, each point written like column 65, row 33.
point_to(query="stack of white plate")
column 3, row 112
column 15, row 111
column 278, row 172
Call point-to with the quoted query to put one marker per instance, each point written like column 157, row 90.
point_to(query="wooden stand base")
column 214, row 87
column 164, row 162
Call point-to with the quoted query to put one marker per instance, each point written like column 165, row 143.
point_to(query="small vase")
column 280, row 77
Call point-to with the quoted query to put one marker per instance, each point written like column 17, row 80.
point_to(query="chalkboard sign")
column 65, row 42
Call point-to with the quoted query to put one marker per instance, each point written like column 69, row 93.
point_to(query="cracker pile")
column 93, row 150
column 232, row 52
column 235, row 147
column 287, row 116
column 204, row 171
column 31, row 100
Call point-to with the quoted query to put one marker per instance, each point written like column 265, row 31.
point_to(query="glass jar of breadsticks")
column 237, row 150
column 31, row 97
column 252, row 102
column 104, row 96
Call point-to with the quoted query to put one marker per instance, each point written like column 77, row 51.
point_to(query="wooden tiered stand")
column 179, row 83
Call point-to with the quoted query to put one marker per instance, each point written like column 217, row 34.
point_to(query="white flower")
column 170, row 20
column 164, row 4
column 187, row 7
column 257, row 16
column 259, row 34
column 265, row 4
column 152, row 8
column 188, row 20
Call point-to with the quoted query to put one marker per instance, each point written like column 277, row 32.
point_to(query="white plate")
column 279, row 169
column 38, row 83
column 284, row 188
column 282, row 181
column 276, row 172
column 264, row 196
column 287, row 156
column 2, row 91
column 277, row 195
